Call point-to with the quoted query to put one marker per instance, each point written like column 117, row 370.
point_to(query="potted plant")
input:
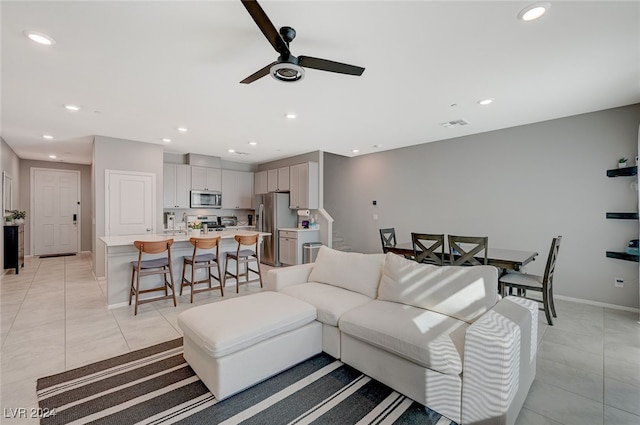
column 622, row 162
column 195, row 227
column 18, row 216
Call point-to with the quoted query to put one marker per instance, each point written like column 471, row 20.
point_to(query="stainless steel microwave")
column 206, row 199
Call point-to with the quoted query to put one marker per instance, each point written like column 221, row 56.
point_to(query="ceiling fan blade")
column 266, row 26
column 327, row 65
column 258, row 74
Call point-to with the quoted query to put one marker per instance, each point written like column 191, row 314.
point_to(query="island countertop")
column 121, row 252
column 178, row 237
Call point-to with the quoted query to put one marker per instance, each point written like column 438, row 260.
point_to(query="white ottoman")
column 236, row 343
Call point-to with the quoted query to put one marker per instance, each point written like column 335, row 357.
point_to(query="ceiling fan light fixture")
column 287, row 72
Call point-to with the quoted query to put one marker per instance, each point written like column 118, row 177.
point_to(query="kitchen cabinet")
column 260, row 182
column 278, row 180
column 304, row 186
column 623, row 172
column 177, row 180
column 291, row 241
column 206, row 178
column 237, row 189
column 14, row 247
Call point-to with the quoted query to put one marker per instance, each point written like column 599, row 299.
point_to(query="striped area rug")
column 155, row 386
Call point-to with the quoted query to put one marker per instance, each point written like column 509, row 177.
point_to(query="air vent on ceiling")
column 454, row 123
column 240, row 153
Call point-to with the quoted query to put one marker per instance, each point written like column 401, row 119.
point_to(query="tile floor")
column 53, row 318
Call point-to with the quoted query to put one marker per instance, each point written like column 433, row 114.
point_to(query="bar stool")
column 153, row 266
column 208, row 261
column 243, row 256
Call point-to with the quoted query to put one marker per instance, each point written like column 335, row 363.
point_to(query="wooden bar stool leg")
column 135, row 310
column 219, row 278
column 184, row 269
column 173, row 289
column 133, row 274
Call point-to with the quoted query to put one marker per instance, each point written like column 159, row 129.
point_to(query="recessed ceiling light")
column 39, row 38
column 72, row 107
column 52, row 156
column 182, row 129
column 487, row 101
column 290, row 116
column 355, row 150
column 253, row 143
column 231, row 150
column 533, row 11
column 166, row 140
column 47, row 136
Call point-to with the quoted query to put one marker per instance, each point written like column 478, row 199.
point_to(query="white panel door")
column 130, row 203
column 55, row 211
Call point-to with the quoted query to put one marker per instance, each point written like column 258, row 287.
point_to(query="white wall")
column 520, row 186
column 123, row 155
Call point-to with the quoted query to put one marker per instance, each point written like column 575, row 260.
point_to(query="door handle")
column 148, row 230
column 75, row 218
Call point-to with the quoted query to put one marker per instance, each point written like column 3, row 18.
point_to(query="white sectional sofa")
column 439, row 335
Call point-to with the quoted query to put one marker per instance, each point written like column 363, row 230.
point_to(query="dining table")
column 504, row 259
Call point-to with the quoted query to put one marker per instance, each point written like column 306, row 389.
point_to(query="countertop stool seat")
column 244, row 256
column 141, row 268
column 236, row 343
column 201, row 259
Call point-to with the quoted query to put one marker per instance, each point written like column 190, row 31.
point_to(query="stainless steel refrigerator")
column 273, row 213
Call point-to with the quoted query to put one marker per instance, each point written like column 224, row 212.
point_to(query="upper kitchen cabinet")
column 303, row 185
column 176, row 185
column 260, row 182
column 237, row 189
column 206, row 178
column 278, row 180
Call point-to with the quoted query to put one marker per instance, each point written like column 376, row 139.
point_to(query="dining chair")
column 244, row 256
column 524, row 282
column 141, row 268
column 465, row 250
column 388, row 238
column 201, row 259
column 425, row 248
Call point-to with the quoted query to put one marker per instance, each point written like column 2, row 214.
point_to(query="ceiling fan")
column 289, row 68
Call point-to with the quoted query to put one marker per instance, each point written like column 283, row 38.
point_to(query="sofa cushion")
column 350, row 270
column 330, row 301
column 430, row 339
column 461, row 292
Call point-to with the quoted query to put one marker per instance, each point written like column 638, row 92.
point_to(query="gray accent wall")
column 519, row 186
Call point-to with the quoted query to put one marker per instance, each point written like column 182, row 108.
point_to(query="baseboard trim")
column 597, row 303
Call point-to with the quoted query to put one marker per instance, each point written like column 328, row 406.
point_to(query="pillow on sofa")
column 461, row 292
column 349, row 270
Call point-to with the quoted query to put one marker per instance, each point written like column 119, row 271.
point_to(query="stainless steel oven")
column 206, row 199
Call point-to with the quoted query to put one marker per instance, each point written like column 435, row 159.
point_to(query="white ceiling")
column 141, row 69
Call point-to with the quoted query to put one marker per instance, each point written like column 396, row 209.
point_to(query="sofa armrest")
column 281, row 277
column 499, row 362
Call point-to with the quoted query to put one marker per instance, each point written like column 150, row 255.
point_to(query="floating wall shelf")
column 623, row 256
column 623, row 215
column 621, row 172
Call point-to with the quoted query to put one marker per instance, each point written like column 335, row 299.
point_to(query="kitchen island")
column 120, row 252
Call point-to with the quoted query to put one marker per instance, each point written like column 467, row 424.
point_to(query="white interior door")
column 130, row 203
column 56, row 215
